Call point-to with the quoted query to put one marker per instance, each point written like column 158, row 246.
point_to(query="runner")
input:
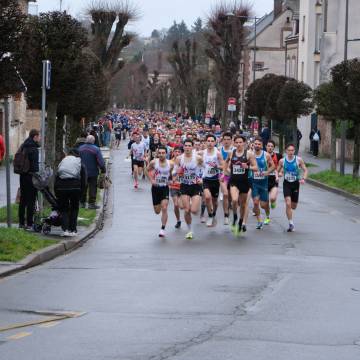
column 138, row 152
column 159, row 171
column 226, row 150
column 260, row 192
column 238, row 165
column 175, row 190
column 289, row 167
column 213, row 162
column 273, row 180
column 188, row 169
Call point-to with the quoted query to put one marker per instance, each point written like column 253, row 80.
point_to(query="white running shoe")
column 203, row 220
column 210, row 222
column 189, row 235
column 66, row 234
column 214, row 221
column 226, row 220
column 162, row 233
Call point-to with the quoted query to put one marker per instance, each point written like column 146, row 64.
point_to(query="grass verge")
column 86, row 217
column 16, row 244
column 334, row 179
column 310, row 165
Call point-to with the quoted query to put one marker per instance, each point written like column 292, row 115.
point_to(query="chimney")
column 278, row 7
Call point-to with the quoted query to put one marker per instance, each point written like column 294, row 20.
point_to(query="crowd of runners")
column 197, row 164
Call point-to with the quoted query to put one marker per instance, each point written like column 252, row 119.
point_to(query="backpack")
column 21, row 162
column 316, row 137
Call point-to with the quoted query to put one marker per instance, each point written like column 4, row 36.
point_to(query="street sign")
column 231, row 101
column 231, row 107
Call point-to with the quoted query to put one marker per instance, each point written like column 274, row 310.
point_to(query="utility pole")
column 344, row 122
column 255, row 35
column 61, row 1
column 7, row 159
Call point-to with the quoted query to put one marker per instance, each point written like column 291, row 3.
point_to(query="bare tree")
column 225, row 42
column 105, row 44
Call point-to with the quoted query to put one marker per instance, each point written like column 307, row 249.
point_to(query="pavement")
column 14, row 184
column 128, row 295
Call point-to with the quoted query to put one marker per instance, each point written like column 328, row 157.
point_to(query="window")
column 318, row 33
column 326, row 6
column 302, row 71
column 303, row 28
column 294, row 74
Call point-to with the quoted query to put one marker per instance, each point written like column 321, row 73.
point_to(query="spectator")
column 315, row 138
column 298, row 139
column 2, row 148
column 28, row 193
column 70, row 183
column 107, row 128
column 93, row 160
column 81, row 140
column 94, row 133
column 265, row 135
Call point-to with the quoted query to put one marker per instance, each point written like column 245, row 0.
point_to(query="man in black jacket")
column 27, row 189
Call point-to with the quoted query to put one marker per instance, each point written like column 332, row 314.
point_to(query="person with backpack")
column 315, row 138
column 26, row 162
column 70, row 184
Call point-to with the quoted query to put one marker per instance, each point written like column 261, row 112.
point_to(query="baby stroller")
column 43, row 224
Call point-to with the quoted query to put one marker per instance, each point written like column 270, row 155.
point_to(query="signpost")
column 231, row 104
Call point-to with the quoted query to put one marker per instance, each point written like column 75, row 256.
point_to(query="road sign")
column 231, row 107
column 47, row 65
column 231, row 101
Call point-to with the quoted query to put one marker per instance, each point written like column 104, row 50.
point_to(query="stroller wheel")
column 46, row 229
column 37, row 228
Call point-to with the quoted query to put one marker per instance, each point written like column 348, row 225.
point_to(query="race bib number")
column 238, row 170
column 273, row 173
column 162, row 180
column 290, row 177
column 189, row 178
column 212, row 172
column 259, row 175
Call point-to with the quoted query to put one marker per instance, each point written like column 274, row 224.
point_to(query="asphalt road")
column 268, row 295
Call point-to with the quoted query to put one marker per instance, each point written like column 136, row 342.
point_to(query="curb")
column 63, row 247
column 347, row 195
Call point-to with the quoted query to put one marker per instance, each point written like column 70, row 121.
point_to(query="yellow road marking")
column 19, row 336
column 49, row 325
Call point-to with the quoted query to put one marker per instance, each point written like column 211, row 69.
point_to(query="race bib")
column 238, row 170
column 189, row 178
column 259, row 175
column 273, row 173
column 162, row 180
column 290, row 177
column 212, row 172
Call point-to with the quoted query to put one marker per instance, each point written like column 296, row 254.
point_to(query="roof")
column 261, row 25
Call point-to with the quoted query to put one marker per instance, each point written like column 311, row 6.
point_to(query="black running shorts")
column 159, row 193
column 138, row 163
column 191, row 190
column 272, row 182
column 291, row 189
column 213, row 186
column 243, row 185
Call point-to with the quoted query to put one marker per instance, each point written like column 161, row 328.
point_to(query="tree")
column 106, row 45
column 177, row 32
column 326, row 100
column 225, row 42
column 346, row 79
column 57, row 37
column 155, row 34
column 197, row 26
column 295, row 100
column 11, row 26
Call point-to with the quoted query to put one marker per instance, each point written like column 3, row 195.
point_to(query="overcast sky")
column 157, row 14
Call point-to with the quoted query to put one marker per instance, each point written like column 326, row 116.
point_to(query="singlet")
column 162, row 174
column 191, row 170
column 211, row 165
column 175, row 184
column 224, row 153
column 275, row 158
column 138, row 151
column 238, row 173
column 262, row 167
column 291, row 169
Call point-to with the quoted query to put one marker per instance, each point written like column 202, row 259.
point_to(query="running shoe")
column 291, row 228
column 259, row 225
column 203, row 220
column 178, row 225
column 267, row 221
column 162, row 233
column 244, row 228
column 253, row 213
column 189, row 235
column 210, row 222
column 214, row 221
column 273, row 205
column 136, row 185
column 234, row 228
column 226, row 220
column 66, row 234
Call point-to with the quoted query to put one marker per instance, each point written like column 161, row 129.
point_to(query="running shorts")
column 260, row 190
column 272, row 182
column 138, row 163
column 191, row 190
column 118, row 136
column 159, row 193
column 175, row 192
column 243, row 185
column 213, row 186
column 291, row 189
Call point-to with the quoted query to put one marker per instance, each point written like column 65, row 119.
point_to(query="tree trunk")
column 281, row 139
column 333, row 145
column 59, row 141
column 50, row 134
column 356, row 150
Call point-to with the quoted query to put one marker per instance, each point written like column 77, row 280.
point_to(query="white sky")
column 157, row 14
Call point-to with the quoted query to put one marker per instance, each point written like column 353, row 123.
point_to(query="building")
column 321, row 46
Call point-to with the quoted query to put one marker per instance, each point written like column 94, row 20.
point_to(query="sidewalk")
column 323, row 163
